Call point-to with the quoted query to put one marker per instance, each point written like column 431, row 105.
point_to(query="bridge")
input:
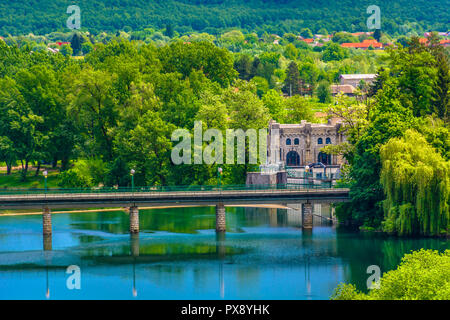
column 132, row 198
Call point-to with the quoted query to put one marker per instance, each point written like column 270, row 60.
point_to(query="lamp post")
column 45, row 173
column 219, row 175
column 132, row 172
column 306, row 175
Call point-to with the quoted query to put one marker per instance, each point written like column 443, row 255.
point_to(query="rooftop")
column 365, row 44
column 344, row 88
column 358, row 76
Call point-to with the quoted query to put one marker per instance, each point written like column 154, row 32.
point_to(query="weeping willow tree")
column 416, row 181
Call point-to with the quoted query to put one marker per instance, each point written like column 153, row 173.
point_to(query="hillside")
column 274, row 16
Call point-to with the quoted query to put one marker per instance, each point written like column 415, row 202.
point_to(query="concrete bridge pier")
column 46, row 222
column 307, row 215
column 221, row 225
column 134, row 220
column 47, row 242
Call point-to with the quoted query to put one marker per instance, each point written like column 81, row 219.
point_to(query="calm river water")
column 264, row 255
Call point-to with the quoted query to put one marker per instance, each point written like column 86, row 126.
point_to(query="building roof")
column 344, row 88
column 357, row 34
column 308, row 40
column 443, row 42
column 303, row 123
column 358, row 76
column 365, row 44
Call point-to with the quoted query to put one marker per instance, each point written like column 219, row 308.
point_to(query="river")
column 265, row 254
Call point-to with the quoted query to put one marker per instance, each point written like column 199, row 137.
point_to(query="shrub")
column 422, row 275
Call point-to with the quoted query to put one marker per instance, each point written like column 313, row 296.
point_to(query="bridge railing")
column 159, row 189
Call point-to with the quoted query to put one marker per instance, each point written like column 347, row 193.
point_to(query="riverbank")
column 267, row 206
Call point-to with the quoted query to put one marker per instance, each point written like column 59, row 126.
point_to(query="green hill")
column 212, row 16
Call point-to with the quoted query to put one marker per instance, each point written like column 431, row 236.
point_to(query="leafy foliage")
column 416, row 180
column 214, row 16
column 422, row 275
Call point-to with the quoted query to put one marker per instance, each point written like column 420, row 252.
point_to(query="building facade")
column 298, row 145
column 294, row 150
column 355, row 79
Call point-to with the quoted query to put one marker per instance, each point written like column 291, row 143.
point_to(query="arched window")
column 292, row 159
column 324, row 158
column 320, row 141
column 296, row 141
column 288, row 142
column 328, row 141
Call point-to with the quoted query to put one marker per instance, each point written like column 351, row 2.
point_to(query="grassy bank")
column 14, row 180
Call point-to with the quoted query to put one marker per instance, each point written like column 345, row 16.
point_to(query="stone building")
column 292, row 147
column 298, row 145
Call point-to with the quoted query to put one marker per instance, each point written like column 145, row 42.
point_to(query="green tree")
column 298, row 108
column 246, row 111
column 324, row 92
column 441, row 89
column 422, row 275
column 76, row 43
column 292, row 85
column 87, row 47
column 243, row 65
column 93, row 109
column 214, row 62
column 276, row 104
column 377, row 34
column 262, row 85
column 66, row 50
column 306, row 33
column 291, row 52
column 416, row 180
column 334, row 52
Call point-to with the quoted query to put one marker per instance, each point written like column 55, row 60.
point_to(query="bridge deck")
column 158, row 198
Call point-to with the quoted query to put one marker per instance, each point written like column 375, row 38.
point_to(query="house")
column 355, row 79
column 346, row 89
column 357, row 34
column 445, row 43
column 52, row 50
column 366, row 44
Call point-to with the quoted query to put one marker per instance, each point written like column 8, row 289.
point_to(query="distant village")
column 367, row 40
column 319, row 40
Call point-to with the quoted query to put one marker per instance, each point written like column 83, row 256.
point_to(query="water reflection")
column 265, row 254
column 221, row 251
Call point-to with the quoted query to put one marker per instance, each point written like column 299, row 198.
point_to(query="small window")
column 296, row 141
column 320, row 141
column 319, row 175
column 288, row 142
column 328, row 141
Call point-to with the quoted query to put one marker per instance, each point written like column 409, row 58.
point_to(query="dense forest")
column 216, row 16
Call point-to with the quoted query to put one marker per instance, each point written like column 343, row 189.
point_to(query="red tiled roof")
column 423, row 40
column 360, row 33
column 443, row 42
column 365, row 44
column 308, row 40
